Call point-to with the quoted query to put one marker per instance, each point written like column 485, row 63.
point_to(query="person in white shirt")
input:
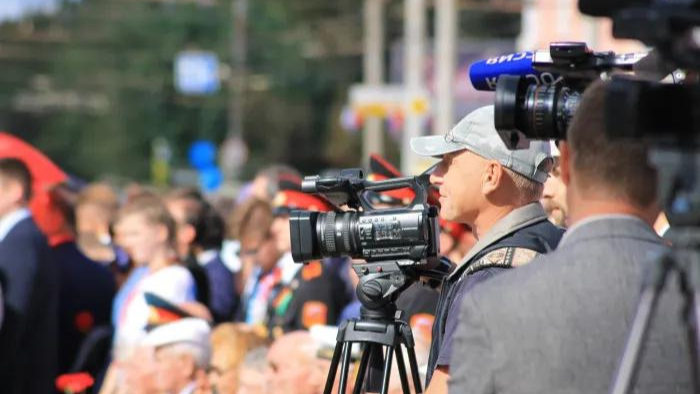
column 145, row 229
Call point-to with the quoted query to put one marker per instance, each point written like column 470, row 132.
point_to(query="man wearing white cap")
column 182, row 352
column 496, row 191
column 554, row 195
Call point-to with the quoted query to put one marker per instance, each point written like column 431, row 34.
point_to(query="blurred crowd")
column 137, row 290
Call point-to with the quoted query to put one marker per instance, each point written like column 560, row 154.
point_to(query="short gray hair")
column 256, row 359
column 528, row 190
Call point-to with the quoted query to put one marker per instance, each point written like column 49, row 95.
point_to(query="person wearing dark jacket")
column 496, row 192
column 307, row 294
column 200, row 235
column 87, row 287
column 29, row 279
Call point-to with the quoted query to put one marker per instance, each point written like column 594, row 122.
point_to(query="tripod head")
column 381, row 284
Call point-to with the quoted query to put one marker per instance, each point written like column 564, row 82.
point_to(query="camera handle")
column 380, row 330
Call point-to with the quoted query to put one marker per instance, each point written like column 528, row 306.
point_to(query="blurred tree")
column 106, row 89
column 92, row 85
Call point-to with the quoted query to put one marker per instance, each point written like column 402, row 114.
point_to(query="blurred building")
column 544, row 21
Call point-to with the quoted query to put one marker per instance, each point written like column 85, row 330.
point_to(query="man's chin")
column 558, row 217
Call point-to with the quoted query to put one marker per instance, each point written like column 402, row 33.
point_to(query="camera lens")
column 338, row 235
column 372, row 236
column 540, row 112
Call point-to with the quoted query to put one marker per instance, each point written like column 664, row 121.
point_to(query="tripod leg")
column 345, row 367
column 362, row 369
column 402, row 370
column 694, row 338
column 653, row 285
column 413, row 364
column 387, row 369
column 333, row 369
column 692, row 287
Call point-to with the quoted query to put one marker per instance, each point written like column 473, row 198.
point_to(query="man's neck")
column 589, row 206
column 161, row 260
column 487, row 219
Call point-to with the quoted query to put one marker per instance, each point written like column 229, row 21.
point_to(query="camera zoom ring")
column 329, row 232
column 347, row 233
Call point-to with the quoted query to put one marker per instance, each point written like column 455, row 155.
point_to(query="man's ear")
column 565, row 163
column 491, row 178
column 162, row 233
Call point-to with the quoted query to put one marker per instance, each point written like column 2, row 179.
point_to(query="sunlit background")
column 134, row 89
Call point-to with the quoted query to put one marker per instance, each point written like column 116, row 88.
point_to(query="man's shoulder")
column 584, row 264
column 545, row 232
column 26, row 230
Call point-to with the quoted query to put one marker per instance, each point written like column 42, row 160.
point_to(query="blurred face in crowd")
column 280, row 231
column 260, row 187
column 11, row 195
column 140, row 372
column 262, row 250
column 250, row 381
column 92, row 220
column 142, row 240
column 174, row 370
column 185, row 233
column 223, row 376
column 293, row 367
column 224, row 380
column 459, row 179
column 554, row 197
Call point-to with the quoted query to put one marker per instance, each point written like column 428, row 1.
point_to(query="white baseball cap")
column 477, row 133
column 189, row 330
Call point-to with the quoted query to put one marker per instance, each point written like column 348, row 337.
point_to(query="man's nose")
column 436, row 176
column 549, row 187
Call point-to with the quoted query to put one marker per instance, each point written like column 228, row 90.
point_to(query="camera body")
column 526, row 110
column 388, row 234
column 408, row 236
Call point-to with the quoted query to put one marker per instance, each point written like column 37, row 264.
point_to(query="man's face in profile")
column 554, row 197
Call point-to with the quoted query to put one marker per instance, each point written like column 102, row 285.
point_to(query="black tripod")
column 379, row 328
column 679, row 182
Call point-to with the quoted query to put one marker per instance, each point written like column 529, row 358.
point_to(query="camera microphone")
column 484, row 73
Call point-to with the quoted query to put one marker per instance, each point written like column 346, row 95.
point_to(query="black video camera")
column 525, row 110
column 408, row 236
column 668, row 115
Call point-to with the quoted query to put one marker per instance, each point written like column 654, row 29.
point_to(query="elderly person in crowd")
column 293, row 365
column 182, row 350
column 252, row 372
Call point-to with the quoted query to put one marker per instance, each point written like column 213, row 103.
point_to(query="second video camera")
column 409, row 235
